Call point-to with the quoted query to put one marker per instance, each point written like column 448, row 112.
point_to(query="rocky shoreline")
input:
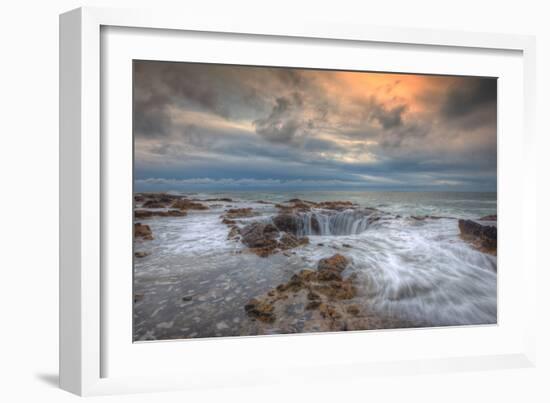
column 320, row 298
column 482, row 237
column 321, row 291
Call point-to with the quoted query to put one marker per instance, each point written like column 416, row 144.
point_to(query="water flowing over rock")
column 327, row 222
column 287, row 223
column 234, row 232
column 482, row 237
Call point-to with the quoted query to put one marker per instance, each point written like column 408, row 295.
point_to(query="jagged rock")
column 265, row 251
column 313, row 304
column 329, row 311
column 289, row 241
column 260, row 310
column 298, row 205
column 295, row 205
column 264, row 239
column 336, row 205
column 329, row 275
column 163, row 213
column 492, row 217
column 482, row 237
column 320, row 290
column 287, row 223
column 233, row 232
column 170, row 213
column 160, row 198
column 353, row 310
column 239, row 213
column 154, row 204
column 141, row 254
column 142, row 231
column 227, row 221
column 221, row 199
column 336, row 262
column 259, row 235
column 186, row 204
column 312, row 296
column 143, row 213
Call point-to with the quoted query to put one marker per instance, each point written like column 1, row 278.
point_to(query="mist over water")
column 410, row 268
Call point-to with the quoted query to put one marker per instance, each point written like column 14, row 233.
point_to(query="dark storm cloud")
column 410, row 133
column 283, row 122
column 159, row 86
column 173, row 82
column 235, row 125
column 151, row 117
column 388, row 118
column 466, row 98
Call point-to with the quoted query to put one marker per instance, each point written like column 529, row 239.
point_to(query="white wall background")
column 29, row 197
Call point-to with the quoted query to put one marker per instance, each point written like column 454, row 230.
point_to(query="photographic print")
column 275, row 200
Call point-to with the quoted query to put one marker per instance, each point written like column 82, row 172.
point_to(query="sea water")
column 195, row 282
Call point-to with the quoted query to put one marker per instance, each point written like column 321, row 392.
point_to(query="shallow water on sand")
column 195, row 282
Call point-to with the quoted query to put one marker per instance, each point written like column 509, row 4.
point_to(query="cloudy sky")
column 222, row 127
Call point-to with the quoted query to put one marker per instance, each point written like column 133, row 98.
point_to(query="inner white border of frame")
column 192, row 359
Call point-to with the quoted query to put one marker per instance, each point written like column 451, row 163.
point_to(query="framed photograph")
column 238, row 200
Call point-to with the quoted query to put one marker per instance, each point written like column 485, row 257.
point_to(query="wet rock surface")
column 257, row 235
column 155, row 200
column 289, row 241
column 186, row 204
column 318, row 300
column 239, row 213
column 298, row 205
column 142, row 231
column 287, row 223
column 482, row 237
column 141, row 214
column 264, row 239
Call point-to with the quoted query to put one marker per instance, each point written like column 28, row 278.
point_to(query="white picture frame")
column 89, row 353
